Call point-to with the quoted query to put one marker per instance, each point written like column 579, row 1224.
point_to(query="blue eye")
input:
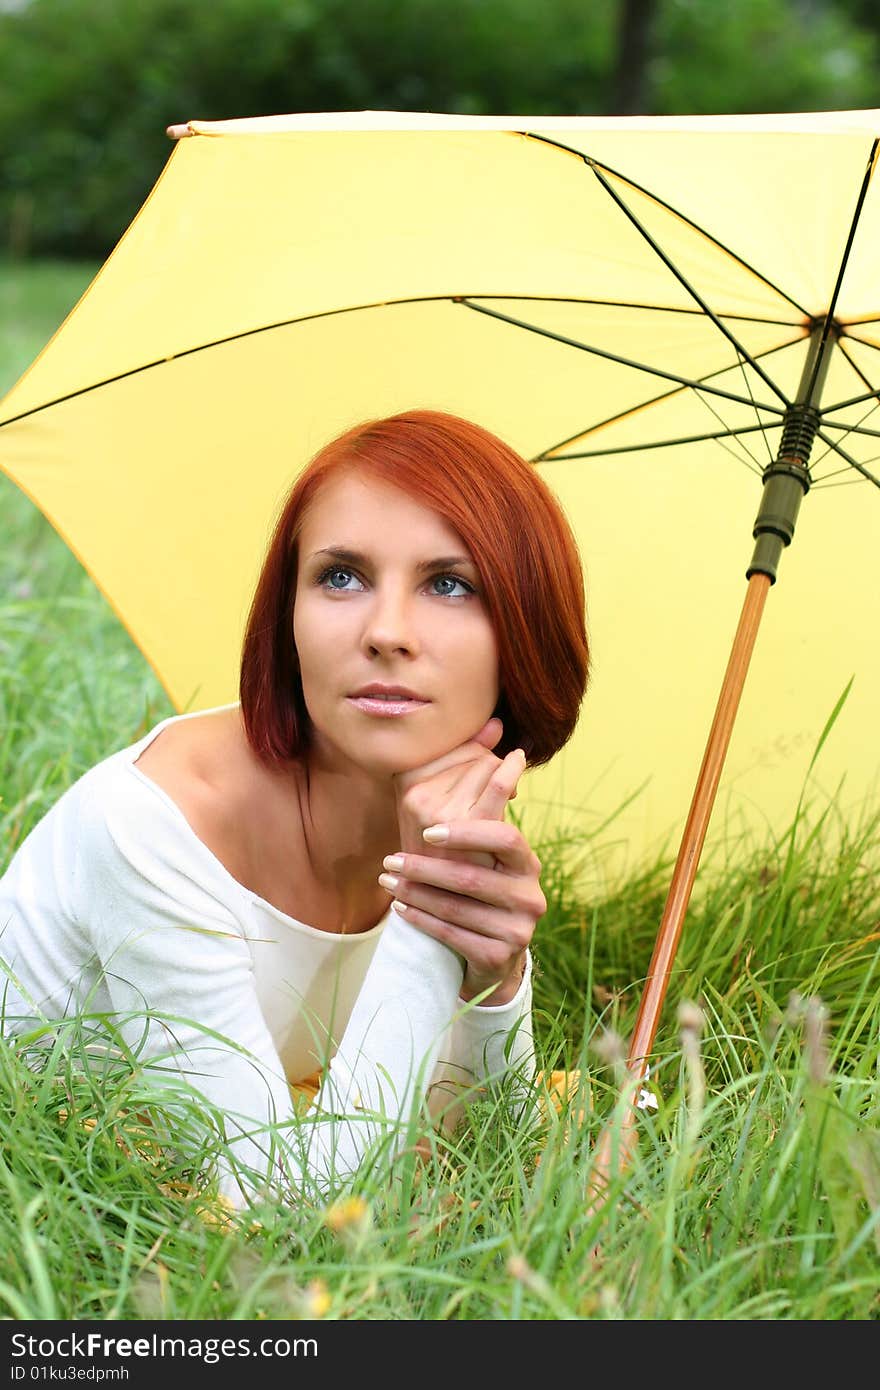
column 340, row 580
column 330, row 575
column 453, row 579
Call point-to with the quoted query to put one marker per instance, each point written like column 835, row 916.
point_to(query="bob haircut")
column 520, row 542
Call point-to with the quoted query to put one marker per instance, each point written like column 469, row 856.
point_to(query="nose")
column 390, row 623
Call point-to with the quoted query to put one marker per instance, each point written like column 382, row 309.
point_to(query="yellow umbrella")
column 641, row 305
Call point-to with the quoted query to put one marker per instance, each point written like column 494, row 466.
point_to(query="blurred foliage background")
column 87, row 87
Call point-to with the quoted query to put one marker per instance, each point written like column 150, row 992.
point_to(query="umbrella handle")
column 684, row 874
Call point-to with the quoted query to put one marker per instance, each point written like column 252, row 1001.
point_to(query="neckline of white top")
column 135, row 750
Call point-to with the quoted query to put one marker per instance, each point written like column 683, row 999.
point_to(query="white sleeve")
column 486, row 1045
column 180, row 975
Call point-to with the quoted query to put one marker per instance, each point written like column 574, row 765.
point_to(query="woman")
column 322, row 873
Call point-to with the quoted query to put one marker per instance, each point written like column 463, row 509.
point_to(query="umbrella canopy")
column 630, row 302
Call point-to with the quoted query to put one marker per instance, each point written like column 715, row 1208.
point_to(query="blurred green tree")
column 762, row 55
column 87, row 87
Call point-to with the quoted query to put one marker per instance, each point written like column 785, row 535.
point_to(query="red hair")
column 520, row 542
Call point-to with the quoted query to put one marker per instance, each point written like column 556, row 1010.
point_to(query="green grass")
column 754, row 1192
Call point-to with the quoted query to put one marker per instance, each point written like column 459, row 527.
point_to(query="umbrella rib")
column 670, row 265
column 635, row 304
column 865, row 342
column 713, row 411
column 664, row 396
column 857, row 428
column 853, row 364
column 829, row 315
column 854, row 463
column 823, row 485
column 745, row 378
column 873, row 395
column 613, row 357
column 549, row 457
column 655, row 198
column 845, row 472
column 308, row 318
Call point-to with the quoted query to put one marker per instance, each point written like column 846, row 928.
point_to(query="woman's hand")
column 477, row 890
column 468, row 783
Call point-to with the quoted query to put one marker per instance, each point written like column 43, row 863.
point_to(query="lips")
column 387, row 701
column 376, row 691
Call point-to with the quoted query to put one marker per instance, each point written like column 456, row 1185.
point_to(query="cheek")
column 488, row 662
column 478, row 667
column 307, row 659
column 306, row 630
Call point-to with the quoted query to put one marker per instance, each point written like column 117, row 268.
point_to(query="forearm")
column 389, row 1050
column 487, row 1045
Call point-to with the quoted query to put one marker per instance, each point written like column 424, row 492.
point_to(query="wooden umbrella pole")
column 697, row 824
column 682, row 883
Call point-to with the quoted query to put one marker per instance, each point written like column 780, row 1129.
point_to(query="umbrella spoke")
column 855, row 400
column 864, row 342
column 682, row 217
column 745, row 378
column 416, row 299
column 854, row 463
column 684, row 282
column 858, row 428
column 615, row 357
column 848, row 481
column 548, row 453
column 683, row 309
column 844, row 260
column 848, row 357
column 734, row 433
column 760, row 425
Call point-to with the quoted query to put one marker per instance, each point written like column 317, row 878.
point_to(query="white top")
column 113, row 904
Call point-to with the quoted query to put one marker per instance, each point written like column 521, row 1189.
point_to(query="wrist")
column 504, row 991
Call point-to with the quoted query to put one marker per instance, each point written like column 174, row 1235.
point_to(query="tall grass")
column 754, row 1191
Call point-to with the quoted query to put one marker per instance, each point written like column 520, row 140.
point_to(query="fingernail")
column 393, row 861
column 389, row 881
column 436, row 834
column 400, row 908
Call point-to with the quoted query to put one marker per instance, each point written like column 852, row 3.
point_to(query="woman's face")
column 398, row 659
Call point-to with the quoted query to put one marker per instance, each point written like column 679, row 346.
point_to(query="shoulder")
column 137, row 866
column 190, row 754
column 134, row 804
column 207, row 769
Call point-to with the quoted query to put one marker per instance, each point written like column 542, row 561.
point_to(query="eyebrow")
column 356, row 557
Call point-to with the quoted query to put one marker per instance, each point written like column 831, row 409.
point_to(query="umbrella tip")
column 177, row 132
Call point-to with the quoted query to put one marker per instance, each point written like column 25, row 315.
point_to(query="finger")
column 473, row 749
column 479, row 946
column 496, row 837
column 455, row 911
column 501, row 787
column 490, row 732
column 422, row 875
column 484, row 786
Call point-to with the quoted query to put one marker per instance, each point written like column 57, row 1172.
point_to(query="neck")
column 349, row 821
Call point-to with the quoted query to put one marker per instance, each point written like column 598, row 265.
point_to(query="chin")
column 389, row 762
column 385, row 753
